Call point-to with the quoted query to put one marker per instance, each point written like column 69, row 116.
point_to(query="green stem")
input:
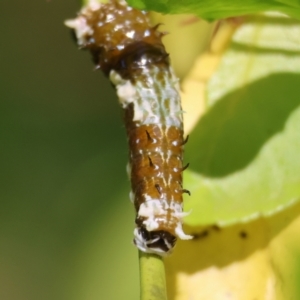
column 152, row 277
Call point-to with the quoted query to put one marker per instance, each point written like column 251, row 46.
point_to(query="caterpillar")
column 130, row 52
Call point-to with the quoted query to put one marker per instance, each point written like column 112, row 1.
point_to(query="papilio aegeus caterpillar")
column 130, row 52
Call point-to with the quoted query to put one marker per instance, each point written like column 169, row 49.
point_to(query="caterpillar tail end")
column 158, row 242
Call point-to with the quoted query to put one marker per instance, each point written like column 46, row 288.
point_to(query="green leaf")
column 245, row 150
column 217, row 9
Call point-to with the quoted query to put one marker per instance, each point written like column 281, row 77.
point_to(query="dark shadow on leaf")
column 232, row 132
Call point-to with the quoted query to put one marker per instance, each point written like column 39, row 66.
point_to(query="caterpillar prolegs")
column 130, row 52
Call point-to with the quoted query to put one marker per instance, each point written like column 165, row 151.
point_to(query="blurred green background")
column 64, row 229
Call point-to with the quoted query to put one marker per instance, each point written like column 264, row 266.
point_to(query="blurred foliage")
column 66, row 221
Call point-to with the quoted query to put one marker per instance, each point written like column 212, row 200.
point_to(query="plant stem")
column 152, row 277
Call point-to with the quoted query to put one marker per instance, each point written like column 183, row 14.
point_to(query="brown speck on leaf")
column 216, row 227
column 200, row 235
column 243, row 234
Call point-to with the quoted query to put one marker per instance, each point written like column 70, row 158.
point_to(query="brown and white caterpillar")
column 130, row 52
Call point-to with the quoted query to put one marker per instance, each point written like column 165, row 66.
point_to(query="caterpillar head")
column 159, row 242
column 107, row 29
